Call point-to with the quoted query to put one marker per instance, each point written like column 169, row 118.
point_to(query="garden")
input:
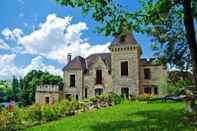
column 127, row 116
column 105, row 112
column 17, row 118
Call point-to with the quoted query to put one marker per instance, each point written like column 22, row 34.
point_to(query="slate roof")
column 77, row 63
column 106, row 57
column 83, row 64
column 128, row 40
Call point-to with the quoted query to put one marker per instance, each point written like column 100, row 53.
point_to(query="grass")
column 128, row 116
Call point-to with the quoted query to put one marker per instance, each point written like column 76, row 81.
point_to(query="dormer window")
column 124, row 68
column 72, row 80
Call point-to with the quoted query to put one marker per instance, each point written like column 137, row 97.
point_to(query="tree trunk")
column 191, row 38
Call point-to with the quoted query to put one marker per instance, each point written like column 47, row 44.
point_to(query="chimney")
column 69, row 57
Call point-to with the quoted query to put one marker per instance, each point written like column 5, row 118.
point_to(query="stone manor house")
column 122, row 71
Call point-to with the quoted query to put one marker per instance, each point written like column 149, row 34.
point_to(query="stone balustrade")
column 48, row 88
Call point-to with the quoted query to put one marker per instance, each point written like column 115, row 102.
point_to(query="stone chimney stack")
column 69, row 57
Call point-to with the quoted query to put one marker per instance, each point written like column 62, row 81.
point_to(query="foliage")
column 162, row 20
column 170, row 23
column 131, row 116
column 145, row 97
column 48, row 113
column 32, row 80
column 173, row 88
column 174, row 76
column 110, row 99
column 10, row 120
column 5, row 91
column 18, row 118
column 15, row 88
column 109, row 13
column 115, row 98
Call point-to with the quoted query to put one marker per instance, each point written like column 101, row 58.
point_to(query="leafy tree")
column 15, row 88
column 170, row 23
column 5, row 91
column 175, row 76
column 34, row 78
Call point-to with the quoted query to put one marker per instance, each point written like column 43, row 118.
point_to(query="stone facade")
column 121, row 71
column 133, row 83
column 157, row 73
column 131, row 55
column 48, row 94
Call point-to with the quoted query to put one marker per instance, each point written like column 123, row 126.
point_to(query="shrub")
column 116, row 98
column 48, row 113
column 19, row 118
column 9, row 121
column 34, row 113
column 145, row 97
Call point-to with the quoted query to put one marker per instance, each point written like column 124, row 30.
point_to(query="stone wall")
column 158, row 73
column 90, row 78
column 79, row 83
column 50, row 91
column 132, row 81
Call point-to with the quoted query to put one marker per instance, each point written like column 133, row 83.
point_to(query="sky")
column 38, row 34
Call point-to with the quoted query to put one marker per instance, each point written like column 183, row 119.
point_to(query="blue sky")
column 31, row 36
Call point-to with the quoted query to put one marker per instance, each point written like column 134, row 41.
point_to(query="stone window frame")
column 124, row 76
column 149, row 76
column 69, row 79
column 102, row 70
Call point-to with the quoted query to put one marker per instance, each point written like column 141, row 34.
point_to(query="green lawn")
column 131, row 116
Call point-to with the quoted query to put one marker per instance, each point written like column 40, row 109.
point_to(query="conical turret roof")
column 124, row 39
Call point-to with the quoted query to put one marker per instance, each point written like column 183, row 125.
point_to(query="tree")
column 34, row 78
column 15, row 88
column 170, row 23
column 5, row 91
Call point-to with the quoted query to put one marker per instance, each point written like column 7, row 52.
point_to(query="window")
column 155, row 90
column 98, row 76
column 147, row 74
column 125, row 92
column 47, row 100
column 72, row 80
column 86, row 92
column 98, row 92
column 147, row 90
column 124, row 68
column 77, row 97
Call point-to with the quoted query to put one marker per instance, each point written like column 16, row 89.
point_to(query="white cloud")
column 7, row 66
column 9, row 69
column 37, row 64
column 56, row 37
column 3, row 45
column 15, row 34
column 53, row 39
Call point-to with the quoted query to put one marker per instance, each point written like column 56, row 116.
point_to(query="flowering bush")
column 48, row 113
column 9, row 121
column 19, row 118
